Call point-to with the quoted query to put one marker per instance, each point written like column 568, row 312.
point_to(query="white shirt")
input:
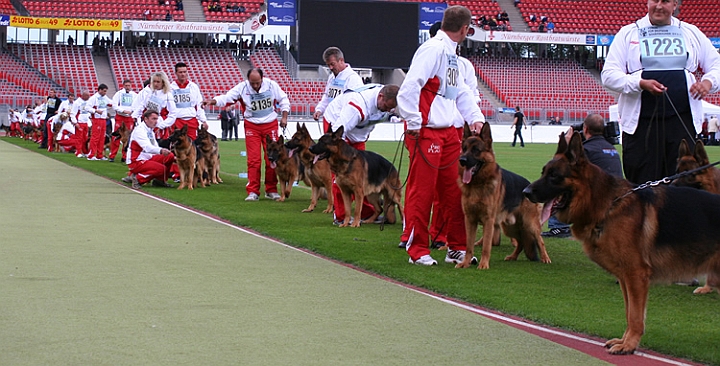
column 99, row 106
column 622, row 70
column 357, row 112
column 345, row 80
column 427, row 81
column 156, row 100
column 67, row 130
column 123, row 102
column 467, row 71
column 188, row 101
column 257, row 107
column 142, row 144
column 80, row 112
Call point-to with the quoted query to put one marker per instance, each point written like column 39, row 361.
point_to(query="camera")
column 611, row 132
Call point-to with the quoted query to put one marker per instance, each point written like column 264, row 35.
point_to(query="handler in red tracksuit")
column 122, row 103
column 80, row 115
column 99, row 105
column 145, row 159
column 431, row 94
column 258, row 96
column 188, row 103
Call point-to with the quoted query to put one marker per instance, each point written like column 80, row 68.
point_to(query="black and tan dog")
column 706, row 179
column 316, row 174
column 208, row 159
column 493, row 197
column 360, row 173
column 123, row 134
column 185, row 157
column 285, row 165
column 662, row 233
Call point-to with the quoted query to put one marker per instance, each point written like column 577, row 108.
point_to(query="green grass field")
column 571, row 293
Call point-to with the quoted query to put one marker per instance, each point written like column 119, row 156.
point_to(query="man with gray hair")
column 342, row 77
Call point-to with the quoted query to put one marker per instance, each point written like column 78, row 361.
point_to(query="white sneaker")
column 273, row 196
column 93, row 159
column 252, row 197
column 425, row 260
column 104, row 159
column 457, row 256
column 81, row 155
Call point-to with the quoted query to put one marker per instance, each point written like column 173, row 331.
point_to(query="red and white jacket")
column 143, row 144
column 188, row 102
column 158, row 101
column 99, row 106
column 80, row 112
column 433, row 90
column 123, row 102
column 345, row 80
column 66, row 131
column 257, row 107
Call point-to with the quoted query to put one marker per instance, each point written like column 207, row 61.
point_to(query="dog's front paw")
column 621, row 349
column 511, row 258
column 463, row 264
column 484, row 264
column 545, row 259
column 703, row 290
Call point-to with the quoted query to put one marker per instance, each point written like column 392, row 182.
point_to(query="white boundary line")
column 426, row 293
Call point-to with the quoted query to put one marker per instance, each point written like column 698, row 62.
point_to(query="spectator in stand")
column 147, row 14
column 504, row 16
column 342, row 78
column 168, row 16
column 179, row 5
column 550, row 26
column 258, row 97
column 660, row 99
column 70, row 41
column 541, row 26
column 516, row 3
column 492, row 23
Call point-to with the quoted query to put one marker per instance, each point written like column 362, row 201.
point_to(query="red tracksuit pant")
column 71, row 144
column 115, row 142
column 192, row 124
column 81, row 131
column 157, row 167
column 97, row 139
column 438, row 228
column 256, row 146
column 339, row 210
column 433, row 172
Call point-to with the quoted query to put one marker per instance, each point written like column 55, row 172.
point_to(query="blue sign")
column 590, row 39
column 715, row 42
column 604, row 40
column 431, row 13
column 4, row 20
column 281, row 12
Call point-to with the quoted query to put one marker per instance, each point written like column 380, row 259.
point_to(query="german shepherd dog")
column 494, row 197
column 662, row 233
column 122, row 133
column 360, row 173
column 208, row 158
column 706, row 179
column 316, row 173
column 185, row 156
column 285, row 166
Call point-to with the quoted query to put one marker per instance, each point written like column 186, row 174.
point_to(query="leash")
column 666, row 180
column 692, row 138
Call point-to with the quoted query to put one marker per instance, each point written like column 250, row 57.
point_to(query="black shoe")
column 557, row 233
column 403, row 244
column 112, row 160
column 42, row 147
column 437, row 244
column 159, row 183
column 693, row 282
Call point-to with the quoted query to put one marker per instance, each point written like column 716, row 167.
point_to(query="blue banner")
column 4, row 20
column 715, row 42
column 604, row 40
column 281, row 12
column 430, row 13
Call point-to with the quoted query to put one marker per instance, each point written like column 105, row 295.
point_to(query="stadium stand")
column 600, row 17
column 71, row 67
column 228, row 13
column 703, row 14
column 19, row 82
column 544, row 88
column 7, row 8
column 99, row 9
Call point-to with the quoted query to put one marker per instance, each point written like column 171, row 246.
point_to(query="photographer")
column 599, row 151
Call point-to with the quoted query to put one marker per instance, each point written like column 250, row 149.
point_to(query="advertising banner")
column 281, row 12
column 256, row 22
column 66, row 23
column 430, row 13
column 4, row 20
column 181, row 27
column 547, row 38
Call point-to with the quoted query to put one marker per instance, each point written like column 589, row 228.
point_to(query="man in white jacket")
column 342, row 78
column 188, row 103
column 651, row 64
column 258, row 97
column 146, row 160
column 98, row 106
column 430, row 96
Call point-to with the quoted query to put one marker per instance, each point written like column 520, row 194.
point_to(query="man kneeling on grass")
column 148, row 161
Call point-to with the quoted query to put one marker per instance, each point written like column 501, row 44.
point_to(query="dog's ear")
column 575, row 152
column 304, row 129
column 700, row 154
column 466, row 131
column 268, row 139
column 562, row 144
column 281, row 140
column 684, row 150
column 184, row 129
column 339, row 133
column 486, row 134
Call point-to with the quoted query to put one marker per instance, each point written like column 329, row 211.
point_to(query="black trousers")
column 651, row 152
